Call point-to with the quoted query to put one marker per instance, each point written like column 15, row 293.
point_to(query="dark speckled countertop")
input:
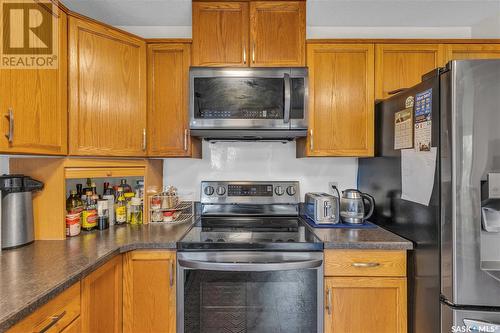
column 32, row 275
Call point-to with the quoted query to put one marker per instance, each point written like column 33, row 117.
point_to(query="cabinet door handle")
column 329, row 301
column 171, row 273
column 244, row 54
column 311, row 140
column 53, row 321
column 365, row 264
column 10, row 118
column 185, row 139
column 144, row 139
column 253, row 52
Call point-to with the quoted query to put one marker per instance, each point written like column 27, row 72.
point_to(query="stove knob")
column 221, row 190
column 209, row 190
column 290, row 190
column 279, row 190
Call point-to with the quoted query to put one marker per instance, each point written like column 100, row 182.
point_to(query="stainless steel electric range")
column 249, row 264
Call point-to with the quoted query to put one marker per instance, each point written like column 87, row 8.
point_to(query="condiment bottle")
column 89, row 215
column 120, row 207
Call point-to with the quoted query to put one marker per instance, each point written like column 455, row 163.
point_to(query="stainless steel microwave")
column 248, row 103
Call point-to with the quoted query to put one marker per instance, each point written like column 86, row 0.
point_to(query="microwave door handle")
column 286, row 117
column 250, row 266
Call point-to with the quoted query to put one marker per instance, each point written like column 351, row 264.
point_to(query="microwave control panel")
column 241, row 114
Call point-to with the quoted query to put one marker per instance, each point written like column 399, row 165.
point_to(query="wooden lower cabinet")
column 365, row 291
column 55, row 316
column 102, row 299
column 149, row 292
column 365, row 304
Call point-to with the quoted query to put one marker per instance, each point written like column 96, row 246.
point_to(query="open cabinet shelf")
column 49, row 205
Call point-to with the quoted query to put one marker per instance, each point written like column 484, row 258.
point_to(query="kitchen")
column 251, row 166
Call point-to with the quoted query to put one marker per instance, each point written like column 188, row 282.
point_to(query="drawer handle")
column 365, row 264
column 53, row 321
column 109, row 174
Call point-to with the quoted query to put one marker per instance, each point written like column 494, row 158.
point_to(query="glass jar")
column 135, row 211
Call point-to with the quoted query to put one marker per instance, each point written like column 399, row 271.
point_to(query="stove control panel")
column 255, row 192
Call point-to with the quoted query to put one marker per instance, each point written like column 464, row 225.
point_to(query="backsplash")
column 259, row 161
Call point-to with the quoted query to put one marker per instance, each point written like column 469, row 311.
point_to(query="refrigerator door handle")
column 481, row 326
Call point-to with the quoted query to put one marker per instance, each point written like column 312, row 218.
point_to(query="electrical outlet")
column 330, row 187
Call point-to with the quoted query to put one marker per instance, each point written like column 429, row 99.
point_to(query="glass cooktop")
column 248, row 233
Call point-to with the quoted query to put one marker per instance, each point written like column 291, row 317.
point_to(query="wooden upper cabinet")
column 149, row 292
column 341, row 101
column 168, row 76
column 107, row 91
column 37, row 100
column 102, row 299
column 220, row 34
column 402, row 65
column 277, row 33
column 472, row 51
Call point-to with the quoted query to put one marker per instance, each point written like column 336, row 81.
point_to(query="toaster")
column 322, row 208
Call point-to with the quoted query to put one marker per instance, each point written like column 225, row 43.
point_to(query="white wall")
column 259, row 161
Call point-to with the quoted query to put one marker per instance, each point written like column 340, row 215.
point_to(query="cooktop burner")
column 257, row 215
column 283, row 233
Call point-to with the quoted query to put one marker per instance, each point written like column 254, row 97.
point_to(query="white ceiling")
column 325, row 18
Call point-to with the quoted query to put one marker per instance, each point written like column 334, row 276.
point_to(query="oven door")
column 251, row 292
column 251, row 98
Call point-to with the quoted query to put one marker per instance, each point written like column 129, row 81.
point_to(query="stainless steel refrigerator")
column 454, row 269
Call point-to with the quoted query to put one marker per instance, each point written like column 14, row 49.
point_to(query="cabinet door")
column 102, row 298
column 38, row 100
column 472, row 51
column 341, row 100
column 277, row 33
column 149, row 292
column 107, row 71
column 220, row 34
column 168, row 131
column 365, row 304
column 402, row 65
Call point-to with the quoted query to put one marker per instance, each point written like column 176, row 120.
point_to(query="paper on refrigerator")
column 418, row 170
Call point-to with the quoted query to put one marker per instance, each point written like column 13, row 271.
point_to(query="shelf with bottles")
column 171, row 206
column 100, row 203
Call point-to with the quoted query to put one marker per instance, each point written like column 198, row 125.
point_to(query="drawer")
column 53, row 316
column 365, row 263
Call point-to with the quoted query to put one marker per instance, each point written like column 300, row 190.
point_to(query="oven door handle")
column 288, row 98
column 250, row 266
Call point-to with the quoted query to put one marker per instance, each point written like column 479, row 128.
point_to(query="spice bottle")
column 73, row 215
